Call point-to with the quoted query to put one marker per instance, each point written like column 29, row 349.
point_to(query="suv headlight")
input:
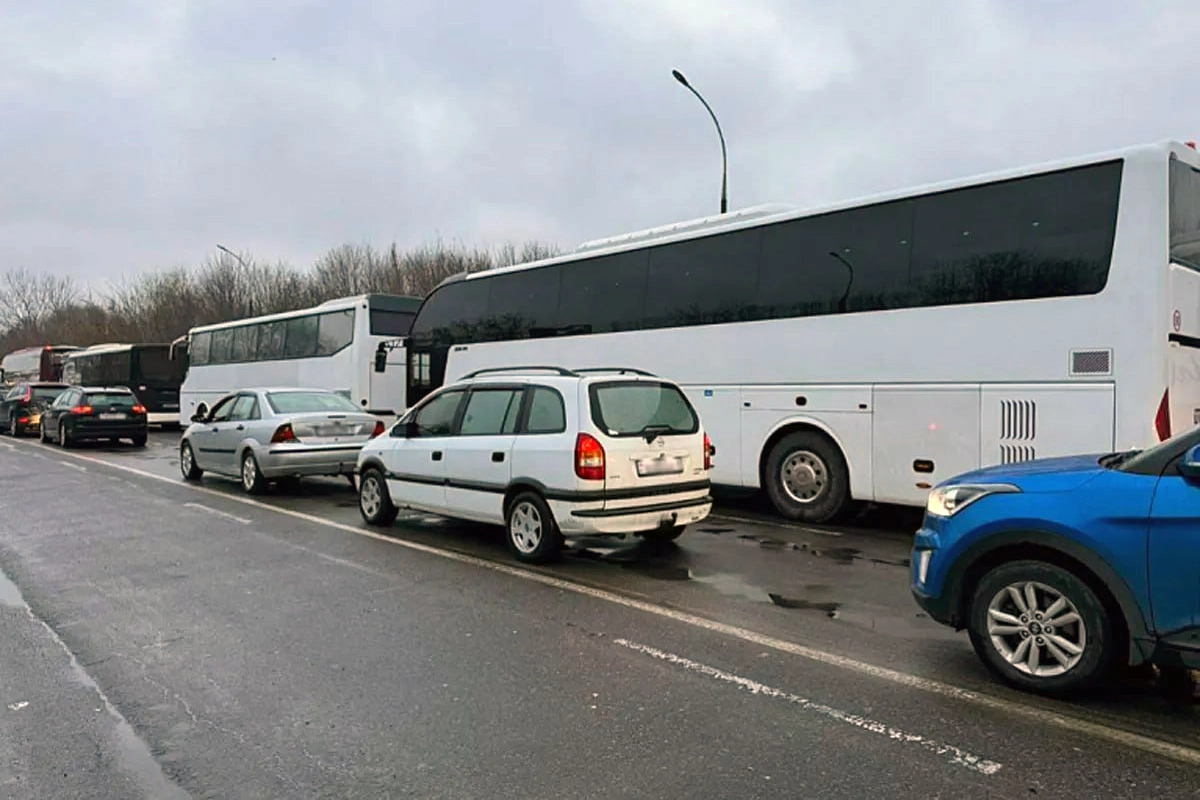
column 946, row 501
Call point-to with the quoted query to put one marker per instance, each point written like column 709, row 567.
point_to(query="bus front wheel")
column 806, row 477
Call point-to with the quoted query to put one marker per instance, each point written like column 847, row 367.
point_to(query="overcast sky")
column 137, row 134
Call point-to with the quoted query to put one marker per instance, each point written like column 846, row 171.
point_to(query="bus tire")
column 806, row 477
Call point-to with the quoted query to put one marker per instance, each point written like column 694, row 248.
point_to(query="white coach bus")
column 866, row 351
column 331, row 346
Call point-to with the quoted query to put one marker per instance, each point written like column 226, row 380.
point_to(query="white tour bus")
column 868, row 350
column 331, row 346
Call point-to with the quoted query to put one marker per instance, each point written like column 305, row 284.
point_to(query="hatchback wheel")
column 187, row 463
column 1041, row 628
column 252, row 479
column 533, row 535
column 374, row 500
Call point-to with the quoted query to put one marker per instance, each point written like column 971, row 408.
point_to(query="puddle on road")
column 829, row 608
column 132, row 752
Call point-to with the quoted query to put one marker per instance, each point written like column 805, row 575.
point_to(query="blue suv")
column 1061, row 569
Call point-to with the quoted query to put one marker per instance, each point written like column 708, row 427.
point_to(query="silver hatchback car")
column 260, row 435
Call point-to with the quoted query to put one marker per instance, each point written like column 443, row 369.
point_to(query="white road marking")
column 217, row 512
column 766, row 523
column 18, row 706
column 79, row 467
column 1075, row 725
column 958, row 756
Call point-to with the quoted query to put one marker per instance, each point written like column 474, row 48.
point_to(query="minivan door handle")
column 498, row 457
column 437, row 455
column 241, row 427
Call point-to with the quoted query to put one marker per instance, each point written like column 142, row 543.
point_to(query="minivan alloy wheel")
column 526, row 527
column 1036, row 629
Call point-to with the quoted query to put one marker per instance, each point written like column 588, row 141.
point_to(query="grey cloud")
column 138, row 138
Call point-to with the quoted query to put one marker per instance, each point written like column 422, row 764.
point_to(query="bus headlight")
column 946, row 501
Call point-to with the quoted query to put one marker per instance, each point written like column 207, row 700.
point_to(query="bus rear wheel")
column 806, row 478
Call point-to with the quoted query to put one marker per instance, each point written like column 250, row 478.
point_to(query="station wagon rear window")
column 638, row 408
column 308, row 402
column 107, row 399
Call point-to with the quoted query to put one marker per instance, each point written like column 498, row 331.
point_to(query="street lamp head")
column 679, row 77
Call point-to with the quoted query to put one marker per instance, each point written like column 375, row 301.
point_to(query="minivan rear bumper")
column 631, row 519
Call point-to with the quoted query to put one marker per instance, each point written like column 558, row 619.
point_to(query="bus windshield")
column 1185, row 214
column 156, row 366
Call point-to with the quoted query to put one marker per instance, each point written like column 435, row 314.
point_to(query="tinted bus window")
column 390, row 323
column 702, row 281
column 604, row 294
column 523, row 304
column 1185, row 213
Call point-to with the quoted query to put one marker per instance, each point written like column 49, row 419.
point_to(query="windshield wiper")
column 1114, row 460
column 652, row 432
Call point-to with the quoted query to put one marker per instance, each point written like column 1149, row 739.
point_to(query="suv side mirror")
column 1189, row 467
column 380, row 358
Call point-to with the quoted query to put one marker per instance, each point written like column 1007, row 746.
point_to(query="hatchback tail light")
column 283, row 433
column 378, row 428
column 82, row 411
column 1162, row 420
column 589, row 458
column 709, row 452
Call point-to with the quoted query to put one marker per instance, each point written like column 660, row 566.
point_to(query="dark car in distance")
column 21, row 407
column 83, row 413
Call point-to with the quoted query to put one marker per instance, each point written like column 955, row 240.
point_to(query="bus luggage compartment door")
column 922, row 435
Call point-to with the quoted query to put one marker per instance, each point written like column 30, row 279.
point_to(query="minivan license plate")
column 659, row 466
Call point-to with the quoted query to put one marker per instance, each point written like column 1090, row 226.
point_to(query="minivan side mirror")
column 407, row 430
column 1189, row 467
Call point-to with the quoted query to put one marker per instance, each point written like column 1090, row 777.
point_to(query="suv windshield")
column 633, row 408
column 305, row 402
column 1133, row 460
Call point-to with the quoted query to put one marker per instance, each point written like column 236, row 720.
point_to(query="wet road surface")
column 263, row 649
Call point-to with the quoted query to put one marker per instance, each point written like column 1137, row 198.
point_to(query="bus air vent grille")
column 1091, row 362
column 1013, row 454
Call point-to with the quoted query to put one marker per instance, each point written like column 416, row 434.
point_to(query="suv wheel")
column 1041, row 628
column 374, row 501
column 532, row 534
column 806, row 477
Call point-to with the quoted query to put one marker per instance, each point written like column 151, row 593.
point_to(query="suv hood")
column 1042, row 475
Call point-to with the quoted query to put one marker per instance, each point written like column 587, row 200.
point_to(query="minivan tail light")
column 378, row 428
column 589, row 458
column 1162, row 420
column 283, row 433
column 709, row 452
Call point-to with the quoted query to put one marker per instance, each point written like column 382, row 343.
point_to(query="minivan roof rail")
column 566, row 373
column 619, row 371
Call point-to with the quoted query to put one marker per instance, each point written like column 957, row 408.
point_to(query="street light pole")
column 225, row 249
column 724, row 159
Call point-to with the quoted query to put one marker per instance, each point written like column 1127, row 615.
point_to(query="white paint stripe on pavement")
column 958, row 756
column 217, row 512
column 1075, row 725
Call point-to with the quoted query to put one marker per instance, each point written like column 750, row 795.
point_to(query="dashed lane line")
column 1118, row 736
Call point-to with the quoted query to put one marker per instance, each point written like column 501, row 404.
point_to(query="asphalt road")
column 164, row 640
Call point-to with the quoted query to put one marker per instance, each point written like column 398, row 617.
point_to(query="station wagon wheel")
column 374, row 500
column 533, row 535
column 64, row 435
column 187, row 463
column 1041, row 628
column 252, row 478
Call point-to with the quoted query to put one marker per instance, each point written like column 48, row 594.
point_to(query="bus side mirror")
column 380, row 359
column 1189, row 467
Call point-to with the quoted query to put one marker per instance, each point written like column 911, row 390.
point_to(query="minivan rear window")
column 635, row 408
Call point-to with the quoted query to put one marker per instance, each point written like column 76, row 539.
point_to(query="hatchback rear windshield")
column 47, row 393
column 107, row 399
column 306, row 402
column 633, row 408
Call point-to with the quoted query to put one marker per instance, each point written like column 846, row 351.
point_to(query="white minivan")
column 549, row 453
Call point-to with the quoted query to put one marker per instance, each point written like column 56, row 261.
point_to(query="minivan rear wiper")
column 652, row 432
